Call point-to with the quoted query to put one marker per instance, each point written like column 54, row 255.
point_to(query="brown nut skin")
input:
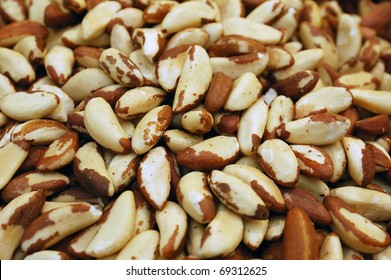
column 218, row 92
column 299, row 198
column 376, row 125
column 300, row 239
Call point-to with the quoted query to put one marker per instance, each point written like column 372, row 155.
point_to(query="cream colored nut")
column 304, row 60
column 236, row 66
column 151, row 128
column 383, row 255
column 117, row 229
column 258, row 31
column 36, row 10
column 33, row 48
column 315, row 186
column 60, row 153
column 59, row 63
column 350, row 254
column 52, row 226
column 72, row 38
column 312, row 13
column 194, row 81
column 24, row 106
column 372, row 204
column 123, row 169
column 39, row 132
column 155, row 189
column 13, row 10
column 147, row 68
column 129, row 17
column 78, row 245
column 338, row 156
column 177, row 140
column 49, row 183
column 104, row 127
column 260, row 183
column 279, row 58
column 90, row 170
column 185, row 15
column 11, row 33
column 87, row 56
column 145, row 217
column 121, row 40
column 50, row 205
column 254, row 232
column 152, row 42
column 189, row 36
column 85, row 82
column 194, row 237
column 3, row 119
column 144, row 246
column 288, row 21
column 355, row 230
column 327, row 99
column 215, row 31
column 313, row 161
column 331, row 248
column 237, row 195
column 172, row 224
column 359, row 80
column 279, row 162
column 16, row 67
column 252, row 126
column 376, row 101
column 281, row 110
column 47, row 255
column 194, row 196
column 6, row 86
column 361, row 165
column 293, row 46
column 139, row 101
column 96, row 20
column 212, row 153
column 314, row 37
column 275, row 227
column 234, row 45
column 157, row 10
column 223, row 234
column 77, row 194
column 45, row 80
column 14, row 219
column 197, row 121
column 121, row 68
column 245, row 91
column 381, row 157
column 348, row 40
column 266, row 11
column 65, row 106
column 170, row 65
column 317, row 129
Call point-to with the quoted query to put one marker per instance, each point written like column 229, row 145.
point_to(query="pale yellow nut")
column 143, row 246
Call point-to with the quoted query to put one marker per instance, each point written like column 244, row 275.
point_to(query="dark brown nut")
column 300, row 240
column 13, row 32
column 381, row 157
column 218, row 92
column 315, row 210
column 156, row 11
column 376, row 125
column 29, row 164
column 352, row 114
column 56, row 16
column 226, row 123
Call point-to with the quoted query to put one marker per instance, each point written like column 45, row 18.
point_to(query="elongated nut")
column 122, row 218
column 281, row 111
column 213, row 153
column 24, row 106
column 14, row 153
column 49, row 183
column 355, row 230
column 103, row 125
column 194, row 196
column 14, row 219
column 237, row 195
column 300, row 241
column 144, row 246
column 90, row 170
column 223, row 234
column 279, row 162
column 39, row 131
column 23, row 74
column 260, row 183
column 47, row 255
column 338, row 157
column 331, row 248
column 52, row 226
column 11, row 33
column 123, row 169
column 155, row 189
column 317, row 129
column 376, row 125
column 194, row 81
column 376, row 101
column 60, row 153
column 315, row 210
column 254, row 232
column 121, row 68
column 372, row 204
column 177, row 139
column 361, row 165
column 33, row 48
column 315, row 186
column 172, row 223
column 218, row 93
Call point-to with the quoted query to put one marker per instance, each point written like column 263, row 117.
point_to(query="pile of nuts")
column 201, row 129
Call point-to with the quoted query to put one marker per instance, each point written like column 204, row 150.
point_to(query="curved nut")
column 16, row 67
column 15, row 31
column 254, row 232
column 144, row 246
column 33, row 48
column 47, row 255
column 281, row 110
column 177, row 140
